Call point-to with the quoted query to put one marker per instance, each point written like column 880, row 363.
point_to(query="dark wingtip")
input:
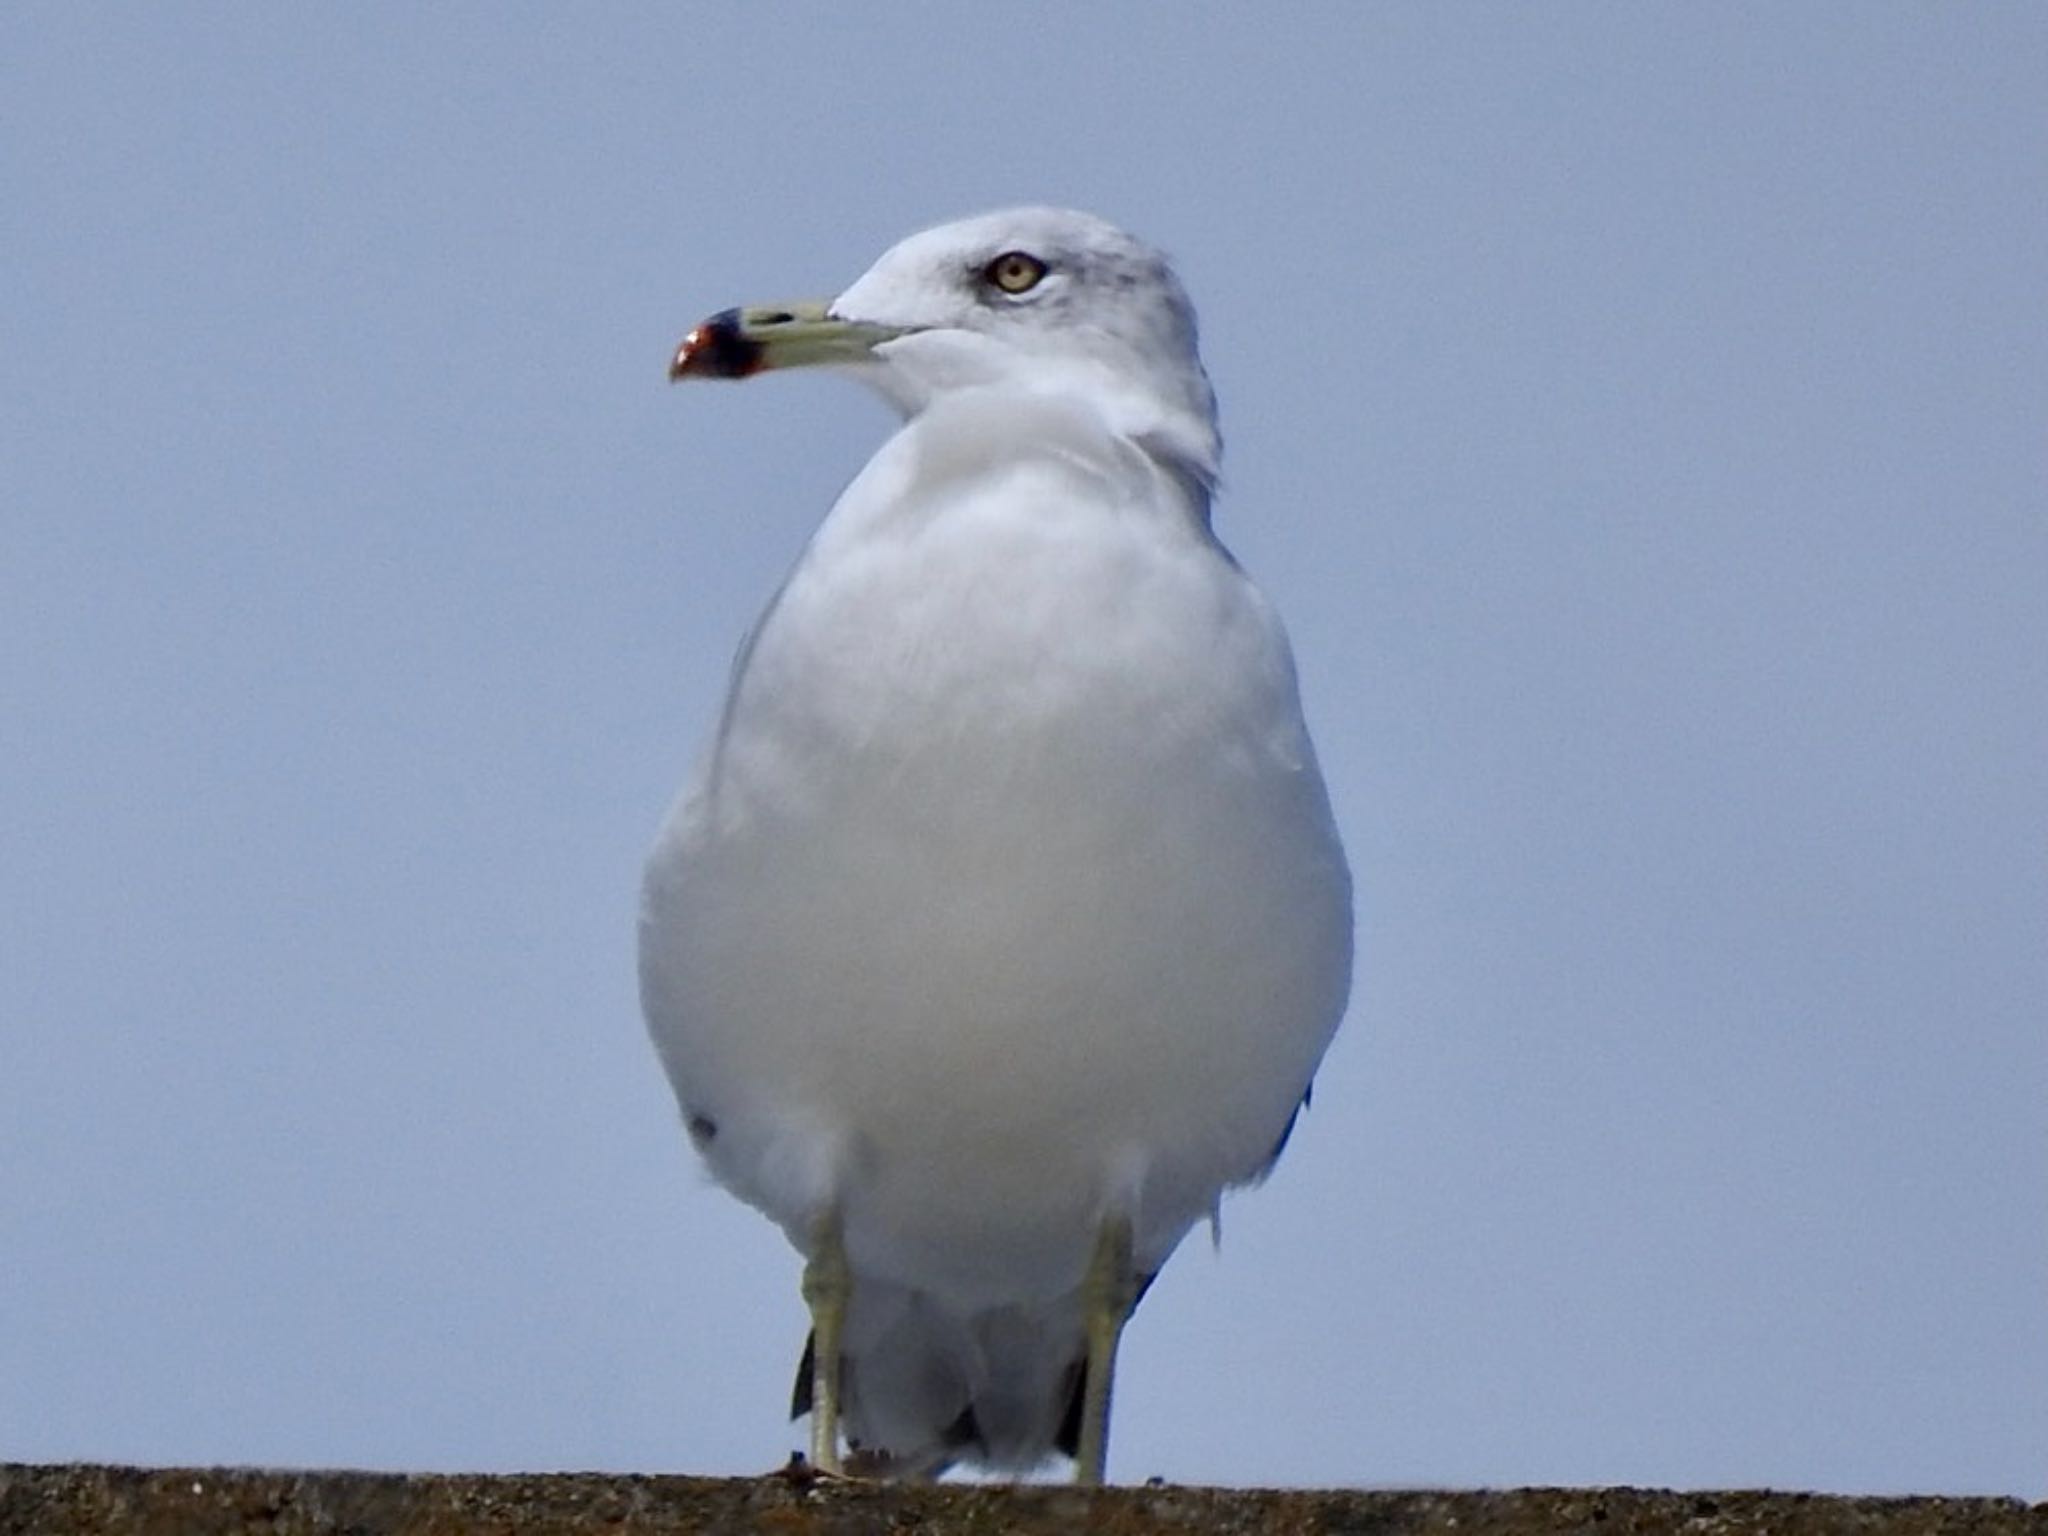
column 717, row 349
column 806, row 1369
column 1067, row 1438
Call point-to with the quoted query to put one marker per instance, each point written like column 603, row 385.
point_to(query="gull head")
column 1029, row 299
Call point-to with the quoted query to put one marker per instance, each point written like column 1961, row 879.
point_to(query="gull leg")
column 1108, row 1294
column 827, row 1284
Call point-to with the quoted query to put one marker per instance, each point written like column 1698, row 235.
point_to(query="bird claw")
column 801, row 1472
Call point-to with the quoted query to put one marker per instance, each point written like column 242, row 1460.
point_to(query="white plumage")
column 1006, row 908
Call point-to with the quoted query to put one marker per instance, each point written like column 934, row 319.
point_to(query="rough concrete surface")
column 62, row 1500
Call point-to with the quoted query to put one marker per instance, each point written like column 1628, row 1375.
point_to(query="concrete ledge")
column 117, row 1501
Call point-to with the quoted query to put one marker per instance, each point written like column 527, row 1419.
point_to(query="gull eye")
column 1014, row 272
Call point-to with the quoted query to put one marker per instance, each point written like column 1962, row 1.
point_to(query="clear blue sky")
column 1639, row 411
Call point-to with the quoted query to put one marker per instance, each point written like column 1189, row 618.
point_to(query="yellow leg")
column 826, row 1286
column 1107, row 1297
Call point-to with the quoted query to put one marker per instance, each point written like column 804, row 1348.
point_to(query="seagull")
column 1004, row 921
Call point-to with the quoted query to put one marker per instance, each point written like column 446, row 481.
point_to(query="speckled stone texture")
column 129, row 1501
